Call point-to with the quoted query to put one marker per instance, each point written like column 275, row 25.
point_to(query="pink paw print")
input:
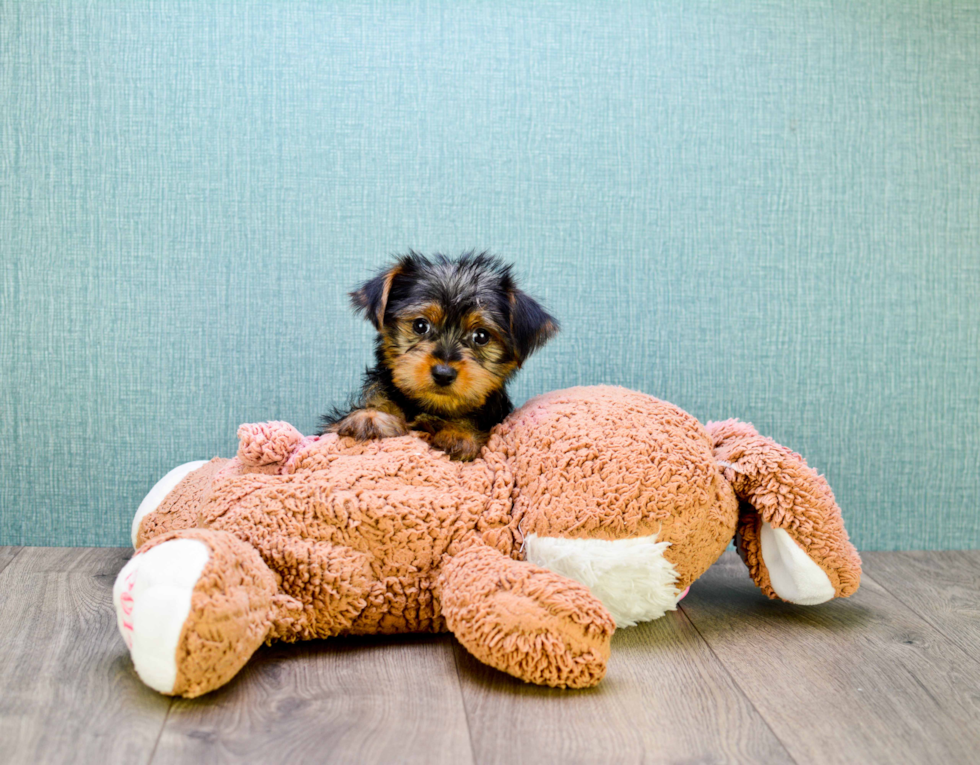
column 126, row 604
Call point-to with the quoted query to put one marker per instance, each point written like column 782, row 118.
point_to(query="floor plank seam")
column 12, row 559
column 897, row 688
column 163, row 727
column 915, row 612
column 455, row 648
column 734, row 680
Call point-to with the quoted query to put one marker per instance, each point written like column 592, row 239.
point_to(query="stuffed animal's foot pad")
column 792, row 573
column 152, row 597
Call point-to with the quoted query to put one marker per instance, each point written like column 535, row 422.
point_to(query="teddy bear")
column 588, row 509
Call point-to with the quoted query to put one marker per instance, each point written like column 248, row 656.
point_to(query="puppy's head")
column 452, row 331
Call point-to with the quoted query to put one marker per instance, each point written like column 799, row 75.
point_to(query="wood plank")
column 889, row 675
column 69, row 690
column 941, row 587
column 92, row 561
column 357, row 700
column 857, row 680
column 7, row 554
column 665, row 698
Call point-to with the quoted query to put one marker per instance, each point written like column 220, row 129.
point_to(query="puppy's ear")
column 371, row 298
column 530, row 325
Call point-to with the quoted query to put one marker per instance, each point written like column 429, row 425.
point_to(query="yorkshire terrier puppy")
column 451, row 333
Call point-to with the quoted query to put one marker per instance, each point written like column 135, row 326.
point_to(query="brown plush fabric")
column 776, row 485
column 179, row 509
column 356, row 532
column 609, row 463
column 267, row 443
column 391, row 535
column 526, row 620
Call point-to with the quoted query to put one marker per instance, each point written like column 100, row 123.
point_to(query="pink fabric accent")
column 267, row 443
column 126, row 602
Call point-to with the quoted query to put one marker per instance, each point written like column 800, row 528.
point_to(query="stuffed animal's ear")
column 371, row 298
column 791, row 532
column 530, row 325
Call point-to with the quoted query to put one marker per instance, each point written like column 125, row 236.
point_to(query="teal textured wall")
column 767, row 210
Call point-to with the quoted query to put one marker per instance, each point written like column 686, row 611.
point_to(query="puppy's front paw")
column 365, row 424
column 459, row 443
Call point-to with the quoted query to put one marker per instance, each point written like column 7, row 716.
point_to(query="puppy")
column 451, row 333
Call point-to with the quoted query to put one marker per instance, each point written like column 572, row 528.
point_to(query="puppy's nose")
column 443, row 374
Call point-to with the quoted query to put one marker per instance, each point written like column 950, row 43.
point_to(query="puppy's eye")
column 420, row 326
column 481, row 337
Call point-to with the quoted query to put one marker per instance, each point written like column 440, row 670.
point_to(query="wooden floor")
column 890, row 675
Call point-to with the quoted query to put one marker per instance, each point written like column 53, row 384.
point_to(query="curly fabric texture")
column 319, row 536
column 779, row 488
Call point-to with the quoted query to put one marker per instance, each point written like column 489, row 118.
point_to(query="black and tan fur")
column 451, row 333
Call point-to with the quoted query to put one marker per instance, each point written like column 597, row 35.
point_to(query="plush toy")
column 589, row 508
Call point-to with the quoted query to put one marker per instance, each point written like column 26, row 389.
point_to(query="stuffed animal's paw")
column 193, row 606
column 152, row 597
column 525, row 620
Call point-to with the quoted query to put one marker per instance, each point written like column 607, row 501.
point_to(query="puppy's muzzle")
column 443, row 374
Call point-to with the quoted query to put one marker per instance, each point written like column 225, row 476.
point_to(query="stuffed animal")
column 589, row 509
